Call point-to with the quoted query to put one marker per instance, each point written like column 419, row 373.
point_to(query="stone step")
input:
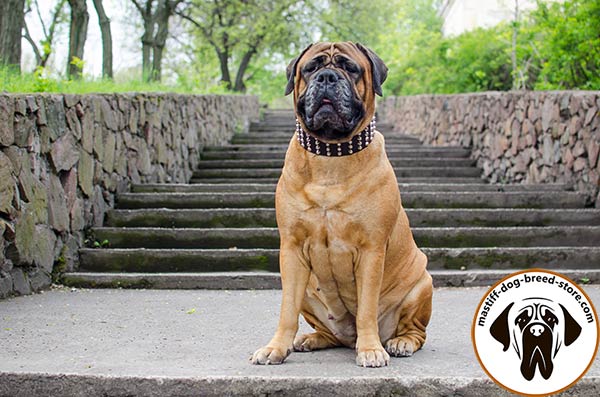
column 290, row 120
column 404, row 187
column 282, row 147
column 276, row 116
column 211, row 260
column 285, row 127
column 271, row 120
column 396, row 162
column 549, row 199
column 280, row 154
column 419, row 217
column 75, row 342
column 458, row 237
column 287, row 131
column 283, row 139
column 258, row 280
column 428, row 180
column 400, row 172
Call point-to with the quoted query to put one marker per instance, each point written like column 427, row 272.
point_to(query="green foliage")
column 568, row 44
column 231, row 38
column 558, row 47
column 41, row 81
column 78, row 63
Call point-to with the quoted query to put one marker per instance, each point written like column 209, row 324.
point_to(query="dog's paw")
column 402, row 346
column 269, row 355
column 310, row 342
column 305, row 342
column 372, row 358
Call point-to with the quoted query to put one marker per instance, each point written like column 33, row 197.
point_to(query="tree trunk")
column 147, row 39
column 240, row 85
column 224, row 62
column 12, row 18
column 36, row 51
column 107, row 57
column 77, row 36
column 163, row 13
column 513, row 54
column 47, row 42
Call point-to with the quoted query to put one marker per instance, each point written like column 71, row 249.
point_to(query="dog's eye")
column 351, row 67
column 310, row 68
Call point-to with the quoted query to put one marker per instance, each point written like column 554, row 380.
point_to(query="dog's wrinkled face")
column 334, row 86
column 537, row 328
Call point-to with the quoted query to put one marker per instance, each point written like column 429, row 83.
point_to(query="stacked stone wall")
column 63, row 158
column 516, row 137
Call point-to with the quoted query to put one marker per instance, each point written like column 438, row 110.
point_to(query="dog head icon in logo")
column 537, row 329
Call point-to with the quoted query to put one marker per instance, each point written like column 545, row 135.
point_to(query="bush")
column 558, row 47
column 568, row 44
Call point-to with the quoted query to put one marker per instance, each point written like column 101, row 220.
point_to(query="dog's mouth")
column 326, row 114
column 326, row 102
column 537, row 351
column 331, row 114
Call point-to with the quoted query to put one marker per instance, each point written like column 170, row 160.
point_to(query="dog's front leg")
column 294, row 278
column 369, row 273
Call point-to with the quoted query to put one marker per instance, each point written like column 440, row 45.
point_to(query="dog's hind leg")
column 317, row 340
column 322, row 338
column 415, row 312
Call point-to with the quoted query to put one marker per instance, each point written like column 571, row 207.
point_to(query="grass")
column 39, row 81
column 270, row 91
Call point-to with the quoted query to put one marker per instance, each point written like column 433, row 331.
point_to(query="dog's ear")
column 290, row 71
column 572, row 327
column 378, row 68
column 499, row 328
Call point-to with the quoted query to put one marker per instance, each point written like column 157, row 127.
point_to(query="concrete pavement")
column 167, row 343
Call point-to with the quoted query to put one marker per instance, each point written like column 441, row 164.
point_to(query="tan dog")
column 348, row 260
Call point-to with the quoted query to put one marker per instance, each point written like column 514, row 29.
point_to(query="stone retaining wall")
column 516, row 137
column 64, row 157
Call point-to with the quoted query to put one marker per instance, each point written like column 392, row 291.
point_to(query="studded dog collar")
column 356, row 144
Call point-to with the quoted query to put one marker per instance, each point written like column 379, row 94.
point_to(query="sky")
column 125, row 33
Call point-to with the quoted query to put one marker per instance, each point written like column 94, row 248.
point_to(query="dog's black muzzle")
column 329, row 107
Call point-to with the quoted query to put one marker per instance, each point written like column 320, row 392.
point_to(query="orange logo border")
column 532, row 270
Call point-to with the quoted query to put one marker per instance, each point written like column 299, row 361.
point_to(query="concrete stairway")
column 219, row 231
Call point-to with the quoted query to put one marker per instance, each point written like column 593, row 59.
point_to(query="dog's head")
column 334, row 87
column 537, row 329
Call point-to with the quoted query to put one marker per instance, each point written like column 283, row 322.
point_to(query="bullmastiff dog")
column 348, row 259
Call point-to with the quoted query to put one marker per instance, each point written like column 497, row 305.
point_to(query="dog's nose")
column 327, row 76
column 536, row 330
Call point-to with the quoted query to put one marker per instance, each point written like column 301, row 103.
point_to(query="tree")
column 12, row 18
column 57, row 16
column 239, row 30
column 155, row 16
column 77, row 37
column 350, row 20
column 567, row 44
column 107, row 57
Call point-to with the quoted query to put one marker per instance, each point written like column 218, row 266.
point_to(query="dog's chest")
column 332, row 252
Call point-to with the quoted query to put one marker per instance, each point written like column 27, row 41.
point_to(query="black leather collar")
column 356, row 144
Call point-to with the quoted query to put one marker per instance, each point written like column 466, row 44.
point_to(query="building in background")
column 463, row 15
